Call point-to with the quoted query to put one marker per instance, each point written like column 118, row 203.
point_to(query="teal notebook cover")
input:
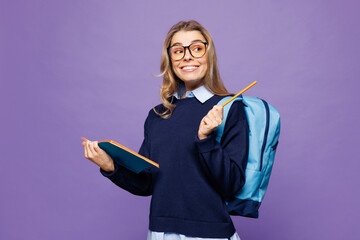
column 125, row 157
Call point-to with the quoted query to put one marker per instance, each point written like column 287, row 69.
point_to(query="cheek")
column 203, row 61
column 205, row 65
column 175, row 66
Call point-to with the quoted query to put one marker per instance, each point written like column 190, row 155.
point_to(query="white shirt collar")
column 201, row 93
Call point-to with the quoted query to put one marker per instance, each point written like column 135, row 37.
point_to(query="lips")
column 189, row 68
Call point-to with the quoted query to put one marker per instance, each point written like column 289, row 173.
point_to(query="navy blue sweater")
column 195, row 177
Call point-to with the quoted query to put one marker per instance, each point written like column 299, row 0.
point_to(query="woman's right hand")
column 98, row 156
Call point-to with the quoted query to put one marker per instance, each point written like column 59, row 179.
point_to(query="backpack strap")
column 220, row 129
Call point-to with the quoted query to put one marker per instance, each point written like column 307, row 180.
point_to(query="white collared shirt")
column 201, row 93
column 174, row 236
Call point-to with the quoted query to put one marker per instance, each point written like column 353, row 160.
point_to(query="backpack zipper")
column 266, row 132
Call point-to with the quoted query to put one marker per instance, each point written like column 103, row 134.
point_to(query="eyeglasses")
column 197, row 50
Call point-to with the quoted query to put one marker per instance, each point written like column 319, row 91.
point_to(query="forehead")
column 186, row 37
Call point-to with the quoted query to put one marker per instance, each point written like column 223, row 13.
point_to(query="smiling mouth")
column 189, row 68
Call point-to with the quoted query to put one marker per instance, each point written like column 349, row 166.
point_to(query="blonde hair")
column 171, row 82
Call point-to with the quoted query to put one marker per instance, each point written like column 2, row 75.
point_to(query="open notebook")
column 126, row 157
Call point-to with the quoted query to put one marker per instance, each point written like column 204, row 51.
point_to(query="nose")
column 187, row 54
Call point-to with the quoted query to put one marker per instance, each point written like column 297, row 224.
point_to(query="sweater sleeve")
column 138, row 184
column 224, row 163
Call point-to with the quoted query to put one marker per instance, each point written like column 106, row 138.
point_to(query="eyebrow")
column 180, row 44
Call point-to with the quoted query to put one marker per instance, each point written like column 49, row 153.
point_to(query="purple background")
column 84, row 68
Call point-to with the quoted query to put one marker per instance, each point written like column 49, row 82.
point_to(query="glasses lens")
column 197, row 49
column 177, row 52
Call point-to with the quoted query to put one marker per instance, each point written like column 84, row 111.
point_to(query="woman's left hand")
column 211, row 121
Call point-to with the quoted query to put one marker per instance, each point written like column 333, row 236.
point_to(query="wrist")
column 201, row 136
column 109, row 167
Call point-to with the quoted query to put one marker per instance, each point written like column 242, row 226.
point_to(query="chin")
column 191, row 77
column 192, row 83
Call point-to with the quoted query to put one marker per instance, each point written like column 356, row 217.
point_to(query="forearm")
column 225, row 171
column 135, row 183
column 138, row 184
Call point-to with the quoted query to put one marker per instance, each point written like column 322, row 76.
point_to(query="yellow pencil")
column 84, row 139
column 241, row 92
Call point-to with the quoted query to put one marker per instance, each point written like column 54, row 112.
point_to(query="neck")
column 189, row 86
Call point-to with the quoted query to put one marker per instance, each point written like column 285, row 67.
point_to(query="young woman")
column 197, row 174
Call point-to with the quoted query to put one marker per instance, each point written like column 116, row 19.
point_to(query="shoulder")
column 160, row 108
column 151, row 117
column 152, row 113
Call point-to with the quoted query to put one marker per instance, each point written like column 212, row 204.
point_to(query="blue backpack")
column 264, row 130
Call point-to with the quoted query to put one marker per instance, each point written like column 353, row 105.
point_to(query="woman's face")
column 189, row 69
